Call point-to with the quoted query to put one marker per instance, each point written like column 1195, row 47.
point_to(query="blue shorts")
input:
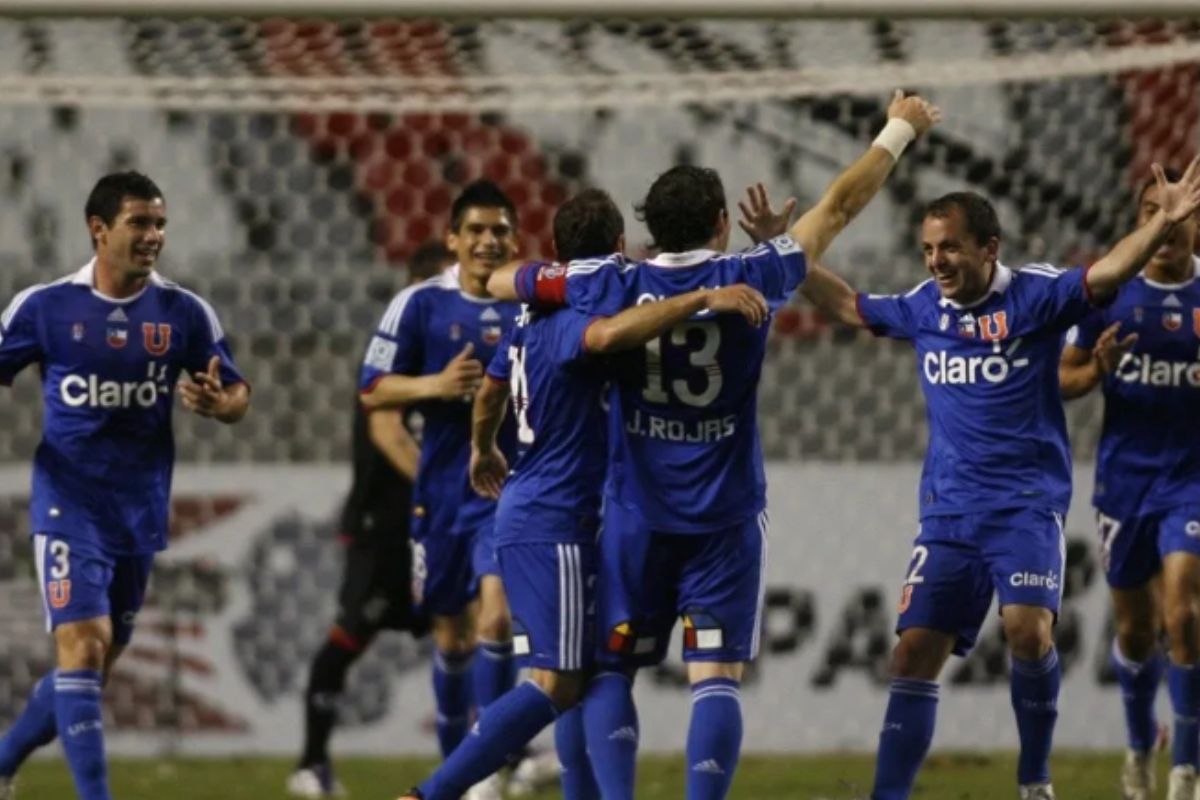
column 959, row 561
column 447, row 568
column 550, row 590
column 80, row 581
column 1132, row 550
column 648, row 579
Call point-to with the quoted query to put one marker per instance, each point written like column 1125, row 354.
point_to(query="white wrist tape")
column 895, row 136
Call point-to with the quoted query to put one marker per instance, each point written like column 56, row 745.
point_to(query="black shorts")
column 376, row 590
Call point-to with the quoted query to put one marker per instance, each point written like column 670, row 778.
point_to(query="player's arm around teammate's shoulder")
column 635, row 326
column 1177, row 202
column 908, row 118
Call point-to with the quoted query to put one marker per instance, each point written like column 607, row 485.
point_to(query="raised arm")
column 1178, row 201
column 908, row 117
column 635, row 326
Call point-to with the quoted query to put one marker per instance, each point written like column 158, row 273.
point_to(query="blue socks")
column 80, row 723
column 714, row 738
column 906, row 736
column 34, row 728
column 1139, row 688
column 495, row 672
column 1035, row 687
column 611, row 725
column 1182, row 682
column 578, row 782
column 452, row 696
column 504, row 727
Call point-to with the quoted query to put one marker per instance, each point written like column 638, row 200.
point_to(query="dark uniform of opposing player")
column 376, row 589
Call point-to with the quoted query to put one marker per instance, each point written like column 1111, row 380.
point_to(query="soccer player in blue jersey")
column 111, row 341
column 428, row 353
column 997, row 475
column 550, row 506
column 685, row 501
column 1143, row 350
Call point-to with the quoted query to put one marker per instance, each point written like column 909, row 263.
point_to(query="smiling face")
column 961, row 265
column 485, row 240
column 132, row 243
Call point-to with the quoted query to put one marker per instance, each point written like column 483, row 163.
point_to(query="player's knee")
column 1029, row 639
column 1182, row 631
column 83, row 652
column 1136, row 639
column 453, row 636
column 921, row 654
column 495, row 625
column 565, row 689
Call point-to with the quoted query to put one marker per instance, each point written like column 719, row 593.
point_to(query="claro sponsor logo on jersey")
column 954, row 370
column 89, row 390
column 1150, row 371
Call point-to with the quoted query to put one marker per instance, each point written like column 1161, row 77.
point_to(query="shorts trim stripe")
column 39, row 557
column 1062, row 555
column 570, row 599
column 764, row 525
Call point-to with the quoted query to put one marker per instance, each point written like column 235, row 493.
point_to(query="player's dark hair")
column 978, row 214
column 112, row 190
column 683, row 208
column 587, row 225
column 481, row 194
column 428, row 260
column 1173, row 176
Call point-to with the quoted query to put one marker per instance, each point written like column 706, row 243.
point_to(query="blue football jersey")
column 989, row 372
column 102, row 471
column 1149, row 455
column 423, row 329
column 688, row 458
column 553, row 493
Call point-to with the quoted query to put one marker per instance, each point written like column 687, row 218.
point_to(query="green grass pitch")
column 964, row 776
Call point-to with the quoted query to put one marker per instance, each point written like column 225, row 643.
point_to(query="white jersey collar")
column 1174, row 287
column 689, row 259
column 86, row 276
column 1001, row 279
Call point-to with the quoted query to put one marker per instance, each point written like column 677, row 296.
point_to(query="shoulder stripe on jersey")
column 390, row 324
column 215, row 324
column 18, row 301
column 1045, row 270
column 918, row 287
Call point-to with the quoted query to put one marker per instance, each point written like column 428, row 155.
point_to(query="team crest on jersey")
column 58, row 593
column 455, row 331
column 491, row 335
column 944, row 322
column 1139, row 314
column 994, row 327
column 77, row 331
column 966, row 325
column 117, row 337
column 1172, row 320
column 157, row 338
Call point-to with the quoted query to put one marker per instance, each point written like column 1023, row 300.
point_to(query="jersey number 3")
column 701, row 340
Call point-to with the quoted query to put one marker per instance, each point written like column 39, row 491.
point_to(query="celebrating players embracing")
column 112, row 341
